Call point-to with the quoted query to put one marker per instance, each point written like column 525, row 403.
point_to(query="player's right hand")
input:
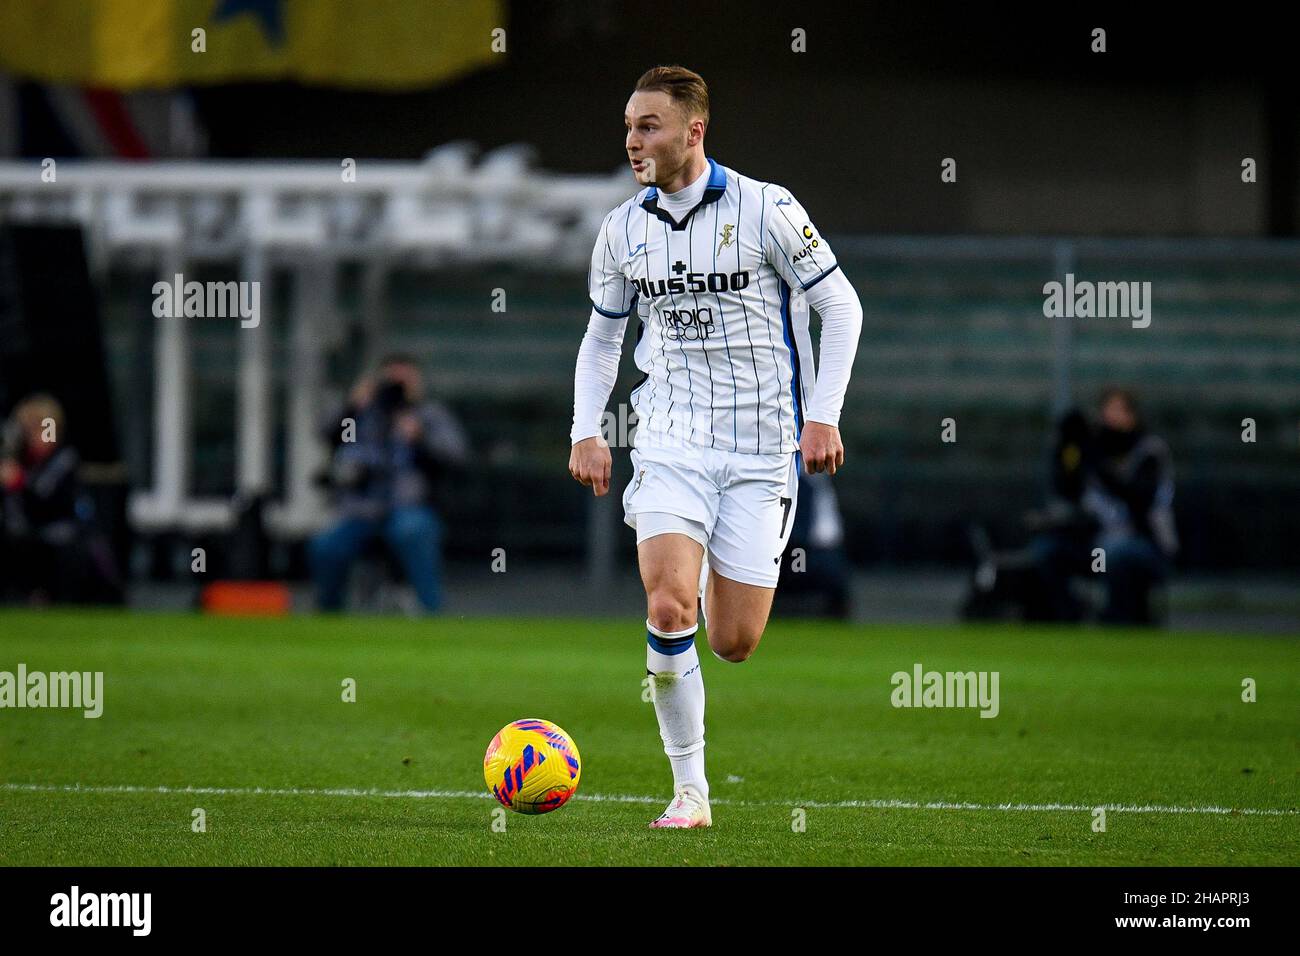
column 590, row 462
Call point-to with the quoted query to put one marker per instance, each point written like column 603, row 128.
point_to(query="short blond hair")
column 684, row 87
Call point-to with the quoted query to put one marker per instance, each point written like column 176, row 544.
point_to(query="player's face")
column 657, row 135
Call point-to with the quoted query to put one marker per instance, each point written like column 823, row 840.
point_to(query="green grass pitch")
column 229, row 707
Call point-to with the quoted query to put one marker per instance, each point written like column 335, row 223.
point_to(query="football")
column 532, row 766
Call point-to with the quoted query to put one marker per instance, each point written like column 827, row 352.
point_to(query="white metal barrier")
column 309, row 217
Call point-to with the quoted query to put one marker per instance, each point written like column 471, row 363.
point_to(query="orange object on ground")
column 265, row 598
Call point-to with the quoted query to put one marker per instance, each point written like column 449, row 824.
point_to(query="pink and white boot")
column 689, row 810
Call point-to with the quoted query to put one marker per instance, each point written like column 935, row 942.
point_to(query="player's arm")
column 597, row 367
column 840, row 311
column 804, row 259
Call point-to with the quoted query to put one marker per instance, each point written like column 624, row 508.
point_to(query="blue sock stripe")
column 669, row 645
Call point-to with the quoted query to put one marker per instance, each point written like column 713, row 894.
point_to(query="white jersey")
column 728, row 363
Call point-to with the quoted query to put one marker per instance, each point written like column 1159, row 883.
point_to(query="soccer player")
column 712, row 263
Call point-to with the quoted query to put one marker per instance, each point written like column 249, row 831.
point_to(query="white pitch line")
column 625, row 798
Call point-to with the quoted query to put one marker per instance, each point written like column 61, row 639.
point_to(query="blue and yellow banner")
column 137, row 44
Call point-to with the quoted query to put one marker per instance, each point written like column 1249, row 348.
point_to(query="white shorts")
column 739, row 507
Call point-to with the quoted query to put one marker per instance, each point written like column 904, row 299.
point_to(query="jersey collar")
column 713, row 190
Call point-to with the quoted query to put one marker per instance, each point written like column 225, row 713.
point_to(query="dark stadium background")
column 1123, row 165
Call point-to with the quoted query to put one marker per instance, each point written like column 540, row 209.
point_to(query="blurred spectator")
column 821, row 571
column 385, row 473
column 1114, row 490
column 50, row 549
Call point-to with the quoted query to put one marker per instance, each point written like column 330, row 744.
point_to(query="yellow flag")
column 361, row 44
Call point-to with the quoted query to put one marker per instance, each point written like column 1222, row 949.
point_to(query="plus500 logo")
column 693, row 282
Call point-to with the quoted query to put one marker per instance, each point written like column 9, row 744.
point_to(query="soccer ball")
column 532, row 766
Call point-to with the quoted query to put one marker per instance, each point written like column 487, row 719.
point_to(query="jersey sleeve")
column 794, row 247
column 610, row 292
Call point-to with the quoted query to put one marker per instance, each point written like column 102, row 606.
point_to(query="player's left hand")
column 821, row 448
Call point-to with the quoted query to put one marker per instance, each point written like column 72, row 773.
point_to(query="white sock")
column 679, row 702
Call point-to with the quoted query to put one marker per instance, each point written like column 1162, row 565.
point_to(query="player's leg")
column 670, row 567
column 670, row 571
column 755, row 516
column 671, row 502
column 738, row 613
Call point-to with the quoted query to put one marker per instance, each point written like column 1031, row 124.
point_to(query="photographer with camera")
column 1113, row 489
column 390, row 449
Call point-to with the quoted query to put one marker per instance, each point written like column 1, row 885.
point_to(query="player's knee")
column 669, row 611
column 734, row 646
column 735, row 653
